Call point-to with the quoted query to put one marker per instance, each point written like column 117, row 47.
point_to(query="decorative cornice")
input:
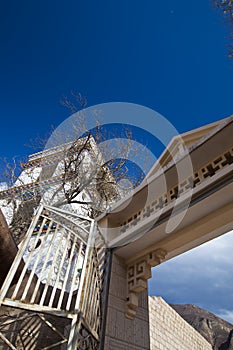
column 138, row 272
column 198, row 177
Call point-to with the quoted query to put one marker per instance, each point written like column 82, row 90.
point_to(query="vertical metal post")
column 105, row 299
column 76, row 322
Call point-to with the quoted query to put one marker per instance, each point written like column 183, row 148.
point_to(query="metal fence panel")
column 64, row 257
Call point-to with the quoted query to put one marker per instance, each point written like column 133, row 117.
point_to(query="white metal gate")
column 61, row 274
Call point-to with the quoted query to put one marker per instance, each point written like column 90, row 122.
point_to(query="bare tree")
column 18, row 199
column 84, row 167
column 84, row 171
column 227, row 8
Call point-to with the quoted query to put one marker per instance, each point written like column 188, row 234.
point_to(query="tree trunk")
column 8, row 249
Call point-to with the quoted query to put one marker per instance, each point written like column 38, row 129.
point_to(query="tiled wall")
column 122, row 333
column 169, row 331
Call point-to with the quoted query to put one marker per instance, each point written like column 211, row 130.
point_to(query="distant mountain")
column 216, row 331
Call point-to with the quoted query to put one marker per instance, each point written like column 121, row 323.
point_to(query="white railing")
column 62, row 273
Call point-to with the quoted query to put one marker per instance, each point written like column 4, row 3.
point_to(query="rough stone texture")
column 8, row 250
column 122, row 333
column 169, row 331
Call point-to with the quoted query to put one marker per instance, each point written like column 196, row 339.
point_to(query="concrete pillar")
column 121, row 332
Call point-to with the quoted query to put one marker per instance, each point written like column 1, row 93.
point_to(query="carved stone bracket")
column 138, row 272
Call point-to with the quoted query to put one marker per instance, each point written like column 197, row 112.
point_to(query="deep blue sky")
column 168, row 55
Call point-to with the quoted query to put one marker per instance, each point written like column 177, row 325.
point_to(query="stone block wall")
column 169, row 331
column 122, row 333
